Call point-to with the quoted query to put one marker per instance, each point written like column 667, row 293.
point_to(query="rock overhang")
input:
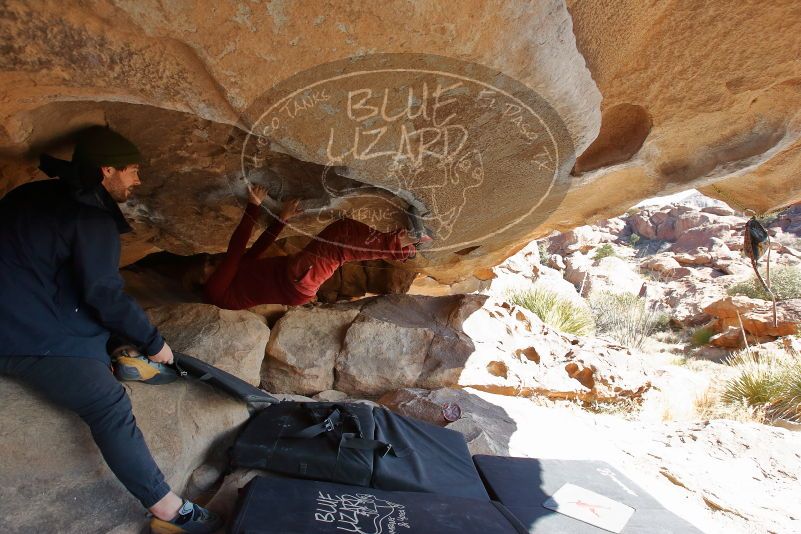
column 183, row 82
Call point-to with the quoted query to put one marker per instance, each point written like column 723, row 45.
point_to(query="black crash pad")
column 292, row 506
column 523, row 484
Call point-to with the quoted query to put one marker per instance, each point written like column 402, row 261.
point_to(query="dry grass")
column 554, row 310
column 626, row 318
column 784, row 281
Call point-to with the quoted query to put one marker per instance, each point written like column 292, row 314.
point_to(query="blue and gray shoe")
column 191, row 519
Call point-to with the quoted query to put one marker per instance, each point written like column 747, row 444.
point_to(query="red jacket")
column 244, row 280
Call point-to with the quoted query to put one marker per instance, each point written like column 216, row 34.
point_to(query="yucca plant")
column 769, row 381
column 554, row 310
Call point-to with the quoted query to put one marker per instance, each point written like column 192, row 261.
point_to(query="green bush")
column 785, row 283
column 770, row 382
column 604, row 251
column 634, row 239
column 701, row 336
column 554, row 310
column 626, row 318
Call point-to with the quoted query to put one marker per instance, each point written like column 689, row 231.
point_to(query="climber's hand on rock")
column 164, row 355
column 290, row 209
column 256, row 194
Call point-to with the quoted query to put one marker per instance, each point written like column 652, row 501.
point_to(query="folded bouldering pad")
column 230, row 384
column 360, row 445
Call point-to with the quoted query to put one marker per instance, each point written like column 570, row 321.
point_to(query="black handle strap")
column 326, row 425
column 352, row 441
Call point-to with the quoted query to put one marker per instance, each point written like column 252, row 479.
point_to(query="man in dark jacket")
column 61, row 295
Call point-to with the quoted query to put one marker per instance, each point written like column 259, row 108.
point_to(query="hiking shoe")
column 129, row 364
column 191, row 519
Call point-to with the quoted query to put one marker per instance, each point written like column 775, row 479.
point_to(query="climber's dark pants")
column 87, row 387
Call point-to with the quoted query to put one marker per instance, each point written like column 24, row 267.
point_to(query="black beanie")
column 99, row 146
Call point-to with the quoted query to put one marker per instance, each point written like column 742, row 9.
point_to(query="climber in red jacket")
column 243, row 279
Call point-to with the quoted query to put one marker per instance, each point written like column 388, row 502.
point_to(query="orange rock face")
column 756, row 316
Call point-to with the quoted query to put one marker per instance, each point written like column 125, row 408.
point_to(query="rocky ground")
column 521, row 386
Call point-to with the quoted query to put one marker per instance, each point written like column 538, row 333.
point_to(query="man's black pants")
column 87, row 387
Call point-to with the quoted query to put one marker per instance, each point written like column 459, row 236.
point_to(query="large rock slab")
column 303, row 349
column 377, row 356
column 234, row 341
column 53, row 478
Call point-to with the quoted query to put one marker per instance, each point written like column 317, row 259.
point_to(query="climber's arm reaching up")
column 268, row 237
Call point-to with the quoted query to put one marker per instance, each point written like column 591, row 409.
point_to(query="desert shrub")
column 634, row 239
column 543, row 250
column 662, row 322
column 604, row 251
column 701, row 336
column 769, row 382
column 785, row 282
column 626, row 318
column 554, row 310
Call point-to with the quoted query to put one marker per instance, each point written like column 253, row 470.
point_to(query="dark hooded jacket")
column 61, row 292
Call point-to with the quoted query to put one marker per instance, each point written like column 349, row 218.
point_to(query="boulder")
column 234, row 341
column 687, row 297
column 612, row 274
column 703, row 258
column 696, row 239
column 718, row 210
column 692, row 220
column 668, row 267
column 487, row 427
column 641, row 224
column 179, row 83
column 303, row 348
column 378, row 355
column 54, row 479
column 756, row 316
column 580, row 239
column 730, row 338
column 407, row 342
column 517, row 354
